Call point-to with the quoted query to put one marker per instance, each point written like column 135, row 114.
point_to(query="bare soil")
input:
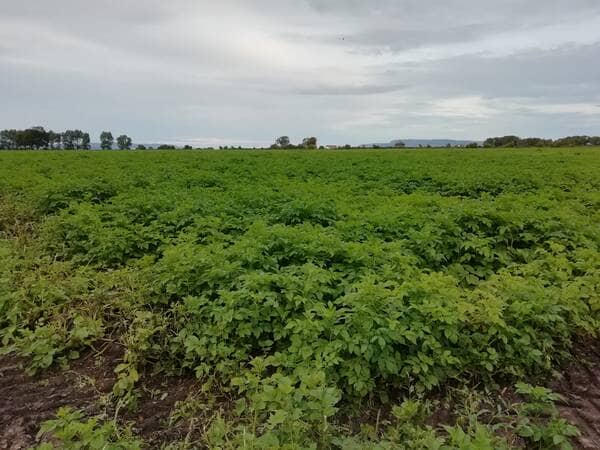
column 26, row 401
column 579, row 384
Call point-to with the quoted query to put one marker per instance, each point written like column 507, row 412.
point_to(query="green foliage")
column 69, row 431
column 52, row 311
column 141, row 340
column 539, row 421
column 305, row 282
column 49, row 343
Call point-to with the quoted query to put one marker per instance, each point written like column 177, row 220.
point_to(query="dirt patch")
column 159, row 396
column 579, row 384
column 25, row 401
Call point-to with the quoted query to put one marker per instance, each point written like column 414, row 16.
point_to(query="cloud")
column 346, row 71
column 349, row 90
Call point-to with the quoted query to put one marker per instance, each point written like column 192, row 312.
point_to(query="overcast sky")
column 347, row 71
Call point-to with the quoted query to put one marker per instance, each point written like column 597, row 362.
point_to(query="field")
column 419, row 299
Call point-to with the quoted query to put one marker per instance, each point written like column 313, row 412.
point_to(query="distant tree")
column 472, row 145
column 141, row 147
column 504, row 141
column 400, row 144
column 187, row 147
column 68, row 140
column 85, row 141
column 8, row 139
column 124, row 142
column 5, row 143
column 79, row 137
column 166, row 147
column 282, row 141
column 20, row 139
column 75, row 140
column 574, row 141
column 54, row 139
column 35, row 137
column 106, row 140
column 534, row 142
column 309, row 142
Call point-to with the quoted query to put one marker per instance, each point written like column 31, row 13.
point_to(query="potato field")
column 350, row 299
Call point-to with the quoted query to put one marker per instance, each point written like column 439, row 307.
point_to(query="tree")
column 35, row 137
column 85, row 141
column 8, row 139
column 54, row 139
column 39, row 137
column 399, row 144
column 309, row 142
column 141, row 147
column 282, row 141
column 124, row 142
column 68, row 140
column 504, row 141
column 75, row 140
column 106, row 140
column 573, row 141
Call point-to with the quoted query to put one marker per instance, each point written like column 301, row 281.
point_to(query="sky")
column 243, row 72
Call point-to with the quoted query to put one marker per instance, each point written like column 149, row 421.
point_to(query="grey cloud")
column 347, row 71
column 567, row 74
column 350, row 90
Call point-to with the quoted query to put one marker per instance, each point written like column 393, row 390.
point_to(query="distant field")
column 321, row 299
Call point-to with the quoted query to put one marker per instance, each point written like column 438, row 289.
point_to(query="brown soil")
column 579, row 384
column 27, row 401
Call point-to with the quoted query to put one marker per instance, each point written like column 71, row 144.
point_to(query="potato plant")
column 304, row 282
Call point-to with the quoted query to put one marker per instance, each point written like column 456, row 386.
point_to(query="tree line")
column 284, row 142
column 515, row 141
column 39, row 138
